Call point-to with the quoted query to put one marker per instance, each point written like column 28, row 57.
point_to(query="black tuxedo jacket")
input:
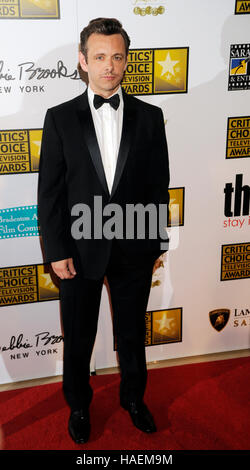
column 71, row 172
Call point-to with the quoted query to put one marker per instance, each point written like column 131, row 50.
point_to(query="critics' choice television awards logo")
column 20, row 151
column 219, row 318
column 162, row 327
column 242, row 7
column 156, row 71
column 238, row 137
column 239, row 67
column 235, row 261
column 26, row 284
column 29, row 9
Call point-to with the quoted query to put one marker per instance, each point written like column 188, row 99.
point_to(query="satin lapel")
column 88, row 128
column 128, row 116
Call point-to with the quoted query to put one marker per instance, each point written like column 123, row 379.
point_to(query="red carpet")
column 198, row 406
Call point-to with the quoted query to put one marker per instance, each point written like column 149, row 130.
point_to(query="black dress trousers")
column 129, row 284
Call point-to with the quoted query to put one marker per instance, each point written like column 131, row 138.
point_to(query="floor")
column 151, row 365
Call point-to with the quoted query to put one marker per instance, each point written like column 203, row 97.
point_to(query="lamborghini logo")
column 219, row 318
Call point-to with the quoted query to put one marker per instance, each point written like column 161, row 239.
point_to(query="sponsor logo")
column 242, row 7
column 162, row 327
column 238, row 137
column 239, row 67
column 237, row 203
column 235, row 261
column 20, row 151
column 156, row 71
column 241, row 317
column 29, row 72
column 40, row 345
column 19, row 222
column 26, row 284
column 29, row 9
column 219, row 318
column 149, row 7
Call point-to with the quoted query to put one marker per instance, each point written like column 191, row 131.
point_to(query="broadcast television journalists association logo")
column 29, row 9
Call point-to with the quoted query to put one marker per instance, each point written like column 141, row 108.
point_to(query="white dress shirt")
column 108, row 128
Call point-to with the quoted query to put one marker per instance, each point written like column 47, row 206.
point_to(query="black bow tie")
column 114, row 101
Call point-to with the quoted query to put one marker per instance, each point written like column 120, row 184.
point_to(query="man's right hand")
column 64, row 268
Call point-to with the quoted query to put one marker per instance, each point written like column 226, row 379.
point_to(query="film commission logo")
column 26, row 284
column 148, row 7
column 162, row 327
column 20, row 151
column 238, row 137
column 26, row 9
column 19, row 222
column 156, row 71
column 242, row 7
column 239, row 67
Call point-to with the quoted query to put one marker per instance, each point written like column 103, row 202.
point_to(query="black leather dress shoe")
column 141, row 416
column 79, row 426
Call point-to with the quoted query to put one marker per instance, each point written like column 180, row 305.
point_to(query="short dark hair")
column 106, row 26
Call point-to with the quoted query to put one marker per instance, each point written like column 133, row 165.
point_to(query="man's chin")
column 109, row 89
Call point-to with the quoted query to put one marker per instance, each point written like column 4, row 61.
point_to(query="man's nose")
column 109, row 64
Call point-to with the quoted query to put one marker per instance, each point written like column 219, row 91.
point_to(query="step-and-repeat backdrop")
column 192, row 59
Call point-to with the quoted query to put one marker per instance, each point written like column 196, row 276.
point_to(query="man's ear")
column 82, row 61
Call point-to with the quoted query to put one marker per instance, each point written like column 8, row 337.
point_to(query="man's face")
column 106, row 62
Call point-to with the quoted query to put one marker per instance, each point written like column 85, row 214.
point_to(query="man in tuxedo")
column 108, row 145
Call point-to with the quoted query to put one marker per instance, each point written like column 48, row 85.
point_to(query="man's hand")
column 64, row 268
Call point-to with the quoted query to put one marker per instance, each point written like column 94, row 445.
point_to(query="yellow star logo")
column 164, row 324
column 168, row 65
column 47, row 282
